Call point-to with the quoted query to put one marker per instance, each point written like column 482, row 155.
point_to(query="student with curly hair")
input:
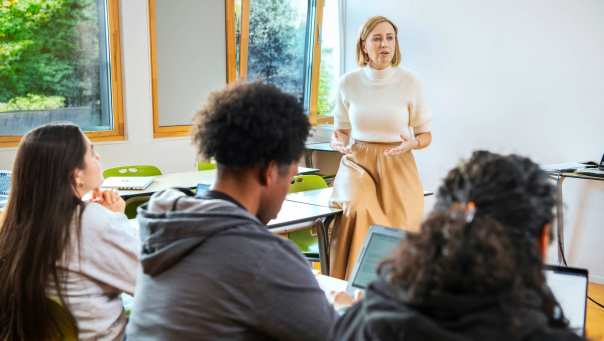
column 211, row 268
column 474, row 272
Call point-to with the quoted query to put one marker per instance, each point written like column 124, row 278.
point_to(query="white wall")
column 522, row 76
column 140, row 147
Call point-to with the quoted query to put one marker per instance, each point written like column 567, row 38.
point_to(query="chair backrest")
column 67, row 329
column 301, row 183
column 205, row 165
column 134, row 170
column 133, row 203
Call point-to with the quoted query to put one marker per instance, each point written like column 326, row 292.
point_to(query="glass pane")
column 277, row 44
column 330, row 58
column 55, row 64
column 238, row 10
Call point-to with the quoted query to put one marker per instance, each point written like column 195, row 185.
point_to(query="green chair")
column 133, row 203
column 135, row 170
column 306, row 240
column 301, row 183
column 67, row 329
column 205, row 165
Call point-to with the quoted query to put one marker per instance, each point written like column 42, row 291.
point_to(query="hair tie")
column 470, row 211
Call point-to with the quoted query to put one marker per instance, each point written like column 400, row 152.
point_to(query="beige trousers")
column 372, row 188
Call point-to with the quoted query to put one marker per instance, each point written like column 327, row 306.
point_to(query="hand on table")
column 342, row 299
column 110, row 199
column 340, row 141
column 406, row 145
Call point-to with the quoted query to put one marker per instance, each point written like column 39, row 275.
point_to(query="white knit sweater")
column 380, row 105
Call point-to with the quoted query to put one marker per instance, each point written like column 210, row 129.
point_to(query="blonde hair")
column 370, row 24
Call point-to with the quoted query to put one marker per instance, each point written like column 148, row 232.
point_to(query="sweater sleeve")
column 341, row 119
column 109, row 248
column 290, row 304
column 421, row 116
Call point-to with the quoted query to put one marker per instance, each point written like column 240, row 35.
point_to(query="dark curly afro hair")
column 250, row 124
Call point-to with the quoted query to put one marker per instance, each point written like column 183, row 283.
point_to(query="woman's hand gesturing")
column 340, row 140
column 406, row 145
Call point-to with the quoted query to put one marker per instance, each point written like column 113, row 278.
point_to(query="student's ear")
column 268, row 174
column 544, row 241
column 77, row 177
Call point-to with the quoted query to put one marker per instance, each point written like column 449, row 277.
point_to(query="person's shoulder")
column 98, row 219
column 406, row 74
column 351, row 77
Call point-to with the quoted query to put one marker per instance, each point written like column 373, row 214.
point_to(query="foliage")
column 325, row 103
column 277, row 45
column 50, row 48
column 33, row 102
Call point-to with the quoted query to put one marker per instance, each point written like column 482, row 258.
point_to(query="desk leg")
column 323, row 235
column 308, row 158
column 560, row 220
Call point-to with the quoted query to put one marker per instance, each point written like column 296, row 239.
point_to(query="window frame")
column 231, row 76
column 117, row 101
column 317, row 19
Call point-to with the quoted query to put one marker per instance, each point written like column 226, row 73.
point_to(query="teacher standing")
column 380, row 117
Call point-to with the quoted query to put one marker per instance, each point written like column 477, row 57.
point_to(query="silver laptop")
column 569, row 286
column 380, row 243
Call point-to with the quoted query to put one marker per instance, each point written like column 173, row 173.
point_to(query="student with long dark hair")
column 474, row 272
column 55, row 246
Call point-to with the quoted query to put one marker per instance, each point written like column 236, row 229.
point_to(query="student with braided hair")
column 474, row 272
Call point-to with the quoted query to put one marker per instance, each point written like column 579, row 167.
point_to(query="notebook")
column 379, row 243
column 128, row 182
column 569, row 286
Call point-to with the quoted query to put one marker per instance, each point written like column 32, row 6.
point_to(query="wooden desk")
column 187, row 180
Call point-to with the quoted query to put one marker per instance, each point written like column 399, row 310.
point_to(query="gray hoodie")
column 213, row 271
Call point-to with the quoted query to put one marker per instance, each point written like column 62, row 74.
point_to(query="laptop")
column 128, row 182
column 379, row 243
column 5, row 177
column 569, row 286
column 593, row 171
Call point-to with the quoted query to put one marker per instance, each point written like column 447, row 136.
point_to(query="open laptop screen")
column 569, row 286
column 379, row 244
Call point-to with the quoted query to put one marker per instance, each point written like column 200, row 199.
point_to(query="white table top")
column 292, row 213
column 320, row 197
column 187, row 180
column 322, row 147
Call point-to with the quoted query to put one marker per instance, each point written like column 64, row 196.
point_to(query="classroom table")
column 309, row 148
column 321, row 196
column 559, row 177
column 186, row 180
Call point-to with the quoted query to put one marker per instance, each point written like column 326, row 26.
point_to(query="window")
column 278, row 42
column 330, row 62
column 60, row 62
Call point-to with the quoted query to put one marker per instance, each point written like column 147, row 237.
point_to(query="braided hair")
column 482, row 237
